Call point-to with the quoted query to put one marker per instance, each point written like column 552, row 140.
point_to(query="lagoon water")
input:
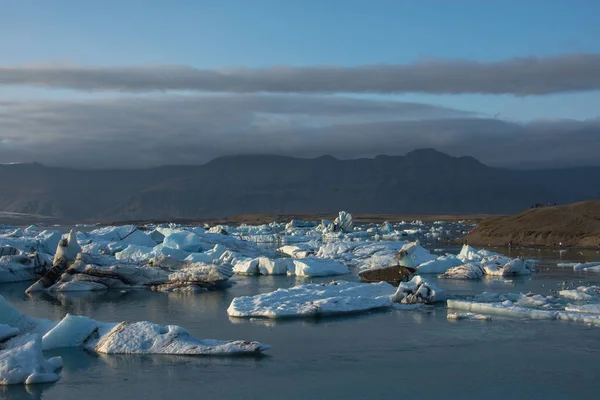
column 378, row 355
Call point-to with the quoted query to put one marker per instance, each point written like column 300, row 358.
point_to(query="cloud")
column 153, row 131
column 516, row 76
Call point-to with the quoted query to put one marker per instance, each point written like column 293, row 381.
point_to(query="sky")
column 111, row 84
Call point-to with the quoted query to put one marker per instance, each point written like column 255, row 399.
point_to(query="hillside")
column 574, row 225
column 423, row 182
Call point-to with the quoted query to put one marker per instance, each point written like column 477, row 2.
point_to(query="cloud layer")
column 517, row 76
column 151, row 131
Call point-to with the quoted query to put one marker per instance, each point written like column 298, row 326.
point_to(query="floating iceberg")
column 418, row 290
column 483, row 262
column 21, row 359
column 439, row 265
column 344, row 222
column 413, row 254
column 314, row 300
column 305, row 267
column 536, row 306
column 468, row 316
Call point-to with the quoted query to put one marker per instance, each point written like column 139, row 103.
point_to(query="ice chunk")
column 314, row 300
column 126, row 234
column 344, row 222
column 313, row 266
column 467, row 316
column 575, row 295
column 48, row 241
column 413, row 254
column 22, row 362
column 7, row 332
column 386, row 228
column 111, row 338
column 24, row 267
column 506, row 309
column 300, row 224
column 468, row 253
column 440, row 265
column 298, row 251
column 10, row 316
column 74, row 331
column 465, row 271
column 183, row 240
column 588, row 267
column 277, row 266
column 248, row 266
column 67, row 248
column 584, row 308
column 149, row 338
column 418, row 290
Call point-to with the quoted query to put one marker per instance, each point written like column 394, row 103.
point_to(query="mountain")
column 423, row 181
column 572, row 225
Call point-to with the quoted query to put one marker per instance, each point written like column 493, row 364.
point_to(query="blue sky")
column 265, row 33
column 257, row 33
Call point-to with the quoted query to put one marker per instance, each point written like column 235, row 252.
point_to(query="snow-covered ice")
column 314, row 300
column 418, row 290
column 21, row 359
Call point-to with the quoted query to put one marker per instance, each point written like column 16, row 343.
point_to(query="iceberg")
column 440, row 265
column 36, row 335
column 305, row 267
column 418, row 290
column 183, row 240
column 125, row 234
column 313, row 300
column 22, row 362
column 344, row 222
column 468, row 316
column 23, row 267
column 413, row 254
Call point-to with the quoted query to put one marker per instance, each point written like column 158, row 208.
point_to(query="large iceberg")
column 162, row 274
column 413, row 255
column 22, row 361
column 537, row 306
column 24, row 338
column 482, row 262
column 314, row 300
column 418, row 290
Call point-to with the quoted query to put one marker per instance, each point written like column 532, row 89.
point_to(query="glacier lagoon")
column 377, row 354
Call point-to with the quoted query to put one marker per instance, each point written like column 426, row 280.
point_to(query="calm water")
column 378, row 355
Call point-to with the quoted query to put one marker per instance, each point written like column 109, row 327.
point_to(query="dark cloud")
column 149, row 131
column 518, row 76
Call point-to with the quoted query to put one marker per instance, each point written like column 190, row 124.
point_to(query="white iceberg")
column 440, row 265
column 112, row 338
column 314, row 300
column 125, row 234
column 22, row 362
column 344, row 222
column 418, row 290
column 24, row 267
column 467, row 316
column 413, row 254
column 305, row 267
column 183, row 240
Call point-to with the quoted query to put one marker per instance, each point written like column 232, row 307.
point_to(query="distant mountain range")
column 423, row 181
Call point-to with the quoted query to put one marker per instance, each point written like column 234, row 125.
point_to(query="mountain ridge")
column 422, row 181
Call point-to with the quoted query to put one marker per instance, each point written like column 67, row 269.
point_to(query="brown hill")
column 573, row 225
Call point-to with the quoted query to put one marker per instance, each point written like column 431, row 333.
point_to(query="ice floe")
column 468, row 316
column 317, row 299
column 418, row 290
column 24, row 338
column 534, row 306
